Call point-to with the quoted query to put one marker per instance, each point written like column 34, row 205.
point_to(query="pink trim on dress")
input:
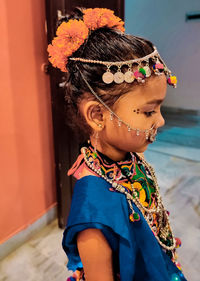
column 76, row 170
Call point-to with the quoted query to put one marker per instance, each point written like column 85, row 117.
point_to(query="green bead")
column 136, row 216
column 142, row 70
column 95, row 154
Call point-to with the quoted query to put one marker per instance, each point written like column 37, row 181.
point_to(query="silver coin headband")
column 139, row 73
column 150, row 134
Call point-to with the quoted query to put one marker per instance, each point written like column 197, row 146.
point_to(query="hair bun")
column 74, row 29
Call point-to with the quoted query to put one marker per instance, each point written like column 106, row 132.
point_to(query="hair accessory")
column 172, row 80
column 101, row 17
column 96, row 141
column 138, row 69
column 72, row 34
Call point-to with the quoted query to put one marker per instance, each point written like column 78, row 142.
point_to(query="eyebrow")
column 155, row 102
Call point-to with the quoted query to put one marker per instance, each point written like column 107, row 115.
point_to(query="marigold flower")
column 70, row 36
column 101, row 17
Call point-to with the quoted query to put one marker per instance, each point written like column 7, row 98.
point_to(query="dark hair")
column 105, row 44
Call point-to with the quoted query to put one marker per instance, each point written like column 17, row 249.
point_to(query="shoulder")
column 92, row 192
column 93, row 201
column 95, row 191
column 91, row 184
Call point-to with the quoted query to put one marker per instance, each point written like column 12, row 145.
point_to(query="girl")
column 118, row 228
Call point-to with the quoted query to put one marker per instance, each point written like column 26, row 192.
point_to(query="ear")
column 94, row 115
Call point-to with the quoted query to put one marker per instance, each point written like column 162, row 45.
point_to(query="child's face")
column 140, row 108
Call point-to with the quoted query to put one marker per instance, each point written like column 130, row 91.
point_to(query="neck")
column 110, row 151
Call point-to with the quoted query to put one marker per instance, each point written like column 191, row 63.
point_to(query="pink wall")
column 27, row 178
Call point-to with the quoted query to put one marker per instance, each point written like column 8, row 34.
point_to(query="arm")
column 96, row 255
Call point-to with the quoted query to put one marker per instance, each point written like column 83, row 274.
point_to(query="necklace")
column 165, row 235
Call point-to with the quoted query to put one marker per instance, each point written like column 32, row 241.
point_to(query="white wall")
column 178, row 41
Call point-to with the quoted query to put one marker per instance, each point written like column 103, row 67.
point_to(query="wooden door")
column 66, row 147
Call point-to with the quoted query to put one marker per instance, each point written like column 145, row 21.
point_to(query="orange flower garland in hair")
column 72, row 34
column 100, row 17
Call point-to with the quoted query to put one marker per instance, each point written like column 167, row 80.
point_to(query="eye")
column 149, row 113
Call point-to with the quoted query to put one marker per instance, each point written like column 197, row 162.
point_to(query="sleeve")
column 95, row 206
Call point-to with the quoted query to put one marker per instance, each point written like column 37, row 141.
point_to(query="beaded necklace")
column 136, row 179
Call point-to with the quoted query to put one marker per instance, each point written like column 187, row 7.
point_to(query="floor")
column 176, row 159
column 39, row 259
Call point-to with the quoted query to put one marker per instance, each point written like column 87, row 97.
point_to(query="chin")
column 142, row 149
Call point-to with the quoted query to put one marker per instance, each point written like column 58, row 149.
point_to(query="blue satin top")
column 137, row 256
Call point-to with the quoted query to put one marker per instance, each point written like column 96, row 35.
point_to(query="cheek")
column 122, row 139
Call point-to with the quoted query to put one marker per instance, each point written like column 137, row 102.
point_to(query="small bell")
column 119, row 123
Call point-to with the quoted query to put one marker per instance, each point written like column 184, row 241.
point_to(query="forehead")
column 154, row 89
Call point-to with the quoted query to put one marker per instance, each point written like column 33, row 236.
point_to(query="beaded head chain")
column 141, row 71
column 72, row 34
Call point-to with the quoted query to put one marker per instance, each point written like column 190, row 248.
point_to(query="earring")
column 95, row 145
column 99, row 125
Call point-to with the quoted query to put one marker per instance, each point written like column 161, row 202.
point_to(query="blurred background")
column 37, row 147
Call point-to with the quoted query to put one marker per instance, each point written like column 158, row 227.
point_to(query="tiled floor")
column 176, row 158
column 40, row 259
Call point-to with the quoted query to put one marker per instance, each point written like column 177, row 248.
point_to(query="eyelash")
column 150, row 113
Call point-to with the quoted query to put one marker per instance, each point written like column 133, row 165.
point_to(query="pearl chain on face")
column 160, row 210
column 150, row 134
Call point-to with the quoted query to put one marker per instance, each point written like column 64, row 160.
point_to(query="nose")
column 161, row 121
